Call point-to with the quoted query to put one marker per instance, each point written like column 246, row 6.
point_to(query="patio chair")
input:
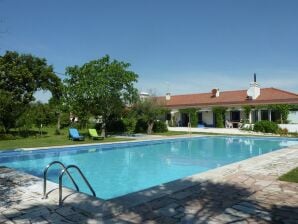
column 93, row 134
column 74, row 135
column 228, row 124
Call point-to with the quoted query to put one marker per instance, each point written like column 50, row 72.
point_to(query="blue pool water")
column 121, row 168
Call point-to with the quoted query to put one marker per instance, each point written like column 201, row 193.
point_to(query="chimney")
column 168, row 96
column 254, row 90
column 215, row 92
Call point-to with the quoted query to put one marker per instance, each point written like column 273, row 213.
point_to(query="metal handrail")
column 45, row 177
column 65, row 170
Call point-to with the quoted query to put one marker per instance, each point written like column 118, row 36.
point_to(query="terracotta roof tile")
column 226, row 98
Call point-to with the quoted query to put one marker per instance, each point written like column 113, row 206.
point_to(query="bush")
column 114, row 126
column 129, row 125
column 160, row 126
column 283, row 131
column 7, row 137
column 266, row 127
column 141, row 126
column 219, row 113
column 64, row 120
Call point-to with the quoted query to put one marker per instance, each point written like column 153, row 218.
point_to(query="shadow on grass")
column 182, row 201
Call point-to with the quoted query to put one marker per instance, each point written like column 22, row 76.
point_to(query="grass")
column 50, row 139
column 171, row 133
column 291, row 176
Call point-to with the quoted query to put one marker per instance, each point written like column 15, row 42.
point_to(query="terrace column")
column 250, row 117
column 259, row 115
column 269, row 115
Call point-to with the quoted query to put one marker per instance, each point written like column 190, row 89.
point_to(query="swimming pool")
column 121, row 168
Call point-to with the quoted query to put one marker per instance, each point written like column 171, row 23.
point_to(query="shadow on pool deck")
column 203, row 202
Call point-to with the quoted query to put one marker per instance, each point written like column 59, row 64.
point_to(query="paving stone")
column 55, row 218
column 236, row 213
column 11, row 213
column 181, row 195
column 166, row 220
column 65, row 211
column 38, row 220
column 244, row 209
column 225, row 218
column 3, row 218
column 169, row 210
column 36, row 212
column 8, row 222
column 130, row 216
column 19, row 220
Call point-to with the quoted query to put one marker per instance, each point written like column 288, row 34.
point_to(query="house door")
column 235, row 116
column 184, row 120
column 200, row 118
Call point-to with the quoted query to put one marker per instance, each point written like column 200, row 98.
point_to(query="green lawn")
column 171, row 133
column 50, row 139
column 291, row 176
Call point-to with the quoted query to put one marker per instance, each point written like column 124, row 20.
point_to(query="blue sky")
column 176, row 46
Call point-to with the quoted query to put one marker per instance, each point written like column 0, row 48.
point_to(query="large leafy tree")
column 21, row 75
column 100, row 88
column 149, row 110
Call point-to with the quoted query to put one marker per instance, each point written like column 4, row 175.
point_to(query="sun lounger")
column 74, row 135
column 93, row 134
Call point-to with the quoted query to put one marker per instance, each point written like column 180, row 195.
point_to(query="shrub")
column 141, row 126
column 64, row 120
column 266, row 127
column 129, row 125
column 7, row 137
column 160, row 126
column 192, row 115
column 114, row 126
column 219, row 113
column 283, row 131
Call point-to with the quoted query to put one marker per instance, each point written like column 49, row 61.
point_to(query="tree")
column 149, row 110
column 247, row 110
column 219, row 113
column 284, row 110
column 20, row 76
column 192, row 115
column 100, row 88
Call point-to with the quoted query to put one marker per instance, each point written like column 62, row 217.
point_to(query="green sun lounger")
column 93, row 134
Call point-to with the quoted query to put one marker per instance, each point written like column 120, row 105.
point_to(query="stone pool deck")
column 243, row 192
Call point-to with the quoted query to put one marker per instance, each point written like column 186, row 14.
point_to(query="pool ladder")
column 64, row 171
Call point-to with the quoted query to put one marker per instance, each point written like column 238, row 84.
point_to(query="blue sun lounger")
column 74, row 135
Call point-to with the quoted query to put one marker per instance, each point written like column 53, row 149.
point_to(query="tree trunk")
column 59, row 121
column 103, row 130
column 150, row 127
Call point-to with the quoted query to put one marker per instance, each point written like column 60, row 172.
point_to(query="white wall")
column 293, row 117
column 291, row 127
column 208, row 117
column 228, row 115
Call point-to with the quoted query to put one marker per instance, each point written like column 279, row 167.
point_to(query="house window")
column 254, row 116
column 235, row 116
column 168, row 116
column 275, row 116
column 264, row 115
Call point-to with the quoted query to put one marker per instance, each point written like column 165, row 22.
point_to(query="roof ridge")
column 284, row 91
column 190, row 94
